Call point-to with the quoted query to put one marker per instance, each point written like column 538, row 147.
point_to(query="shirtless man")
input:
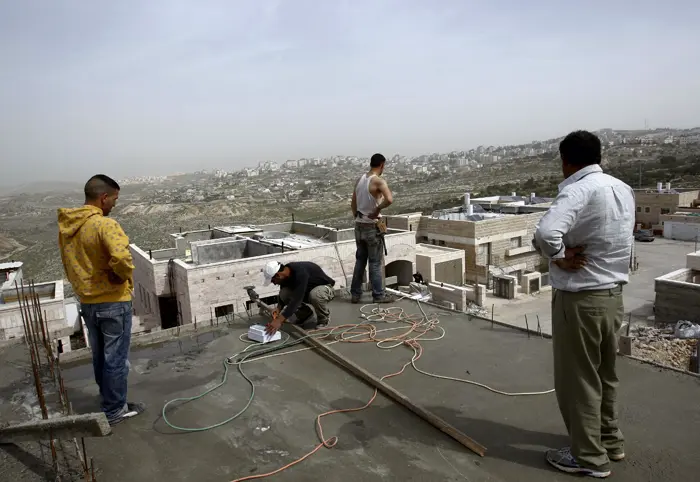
column 371, row 195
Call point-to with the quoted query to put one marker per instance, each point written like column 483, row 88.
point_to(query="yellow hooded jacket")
column 95, row 254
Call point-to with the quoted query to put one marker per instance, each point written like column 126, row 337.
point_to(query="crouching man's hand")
column 275, row 324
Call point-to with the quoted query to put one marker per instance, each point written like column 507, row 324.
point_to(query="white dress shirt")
column 595, row 210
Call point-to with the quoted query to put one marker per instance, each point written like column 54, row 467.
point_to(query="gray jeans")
column 319, row 297
column 369, row 251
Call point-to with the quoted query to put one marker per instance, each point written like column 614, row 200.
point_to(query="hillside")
column 149, row 213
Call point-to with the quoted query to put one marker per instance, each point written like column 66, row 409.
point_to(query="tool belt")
column 380, row 223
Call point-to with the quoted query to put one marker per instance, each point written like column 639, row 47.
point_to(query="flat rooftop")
column 225, row 243
column 665, row 191
column 383, row 442
column 513, row 200
column 432, row 250
column 292, row 240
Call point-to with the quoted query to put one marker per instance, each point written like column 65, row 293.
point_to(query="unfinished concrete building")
column 202, row 276
column 678, row 293
column 50, row 297
column 494, row 232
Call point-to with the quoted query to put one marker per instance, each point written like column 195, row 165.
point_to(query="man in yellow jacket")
column 96, row 258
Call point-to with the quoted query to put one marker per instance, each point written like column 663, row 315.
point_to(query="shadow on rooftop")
column 35, row 464
column 505, row 442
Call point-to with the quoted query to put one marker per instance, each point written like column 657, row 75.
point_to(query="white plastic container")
column 257, row 333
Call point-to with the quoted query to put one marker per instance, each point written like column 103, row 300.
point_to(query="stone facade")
column 499, row 245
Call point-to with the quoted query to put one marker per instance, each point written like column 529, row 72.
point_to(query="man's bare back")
column 378, row 189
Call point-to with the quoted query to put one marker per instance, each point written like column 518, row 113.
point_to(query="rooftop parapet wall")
column 677, row 296
column 692, row 261
column 226, row 249
column 53, row 308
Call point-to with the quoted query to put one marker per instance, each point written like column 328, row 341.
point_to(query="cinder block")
column 624, row 345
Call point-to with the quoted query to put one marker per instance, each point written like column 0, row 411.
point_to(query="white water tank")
column 532, row 196
column 467, row 199
column 668, row 186
column 513, row 194
column 470, row 209
column 659, row 186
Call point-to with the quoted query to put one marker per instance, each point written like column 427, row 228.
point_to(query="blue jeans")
column 109, row 331
column 369, row 249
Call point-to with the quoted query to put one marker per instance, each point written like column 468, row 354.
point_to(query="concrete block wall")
column 183, row 240
column 441, row 265
column 676, row 300
column 692, row 261
column 406, row 222
column 480, row 294
column 150, row 280
column 450, row 271
column 11, row 325
column 451, row 293
column 527, row 278
column 461, row 296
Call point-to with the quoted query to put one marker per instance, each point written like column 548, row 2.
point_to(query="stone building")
column 494, row 232
column 652, row 204
column 202, row 277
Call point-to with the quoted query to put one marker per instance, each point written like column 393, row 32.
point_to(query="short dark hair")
column 377, row 160
column 581, row 148
column 98, row 185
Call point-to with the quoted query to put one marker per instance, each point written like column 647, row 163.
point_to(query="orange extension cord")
column 419, row 325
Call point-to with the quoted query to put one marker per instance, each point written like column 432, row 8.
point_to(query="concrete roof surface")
column 660, row 413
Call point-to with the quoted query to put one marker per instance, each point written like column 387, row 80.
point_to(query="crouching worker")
column 304, row 289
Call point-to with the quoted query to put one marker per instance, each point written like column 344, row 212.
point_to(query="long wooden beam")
column 387, row 390
column 63, row 428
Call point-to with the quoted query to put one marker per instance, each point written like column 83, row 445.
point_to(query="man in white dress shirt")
column 587, row 234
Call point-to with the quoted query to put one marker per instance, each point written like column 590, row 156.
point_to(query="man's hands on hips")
column 570, row 253
column 573, row 260
column 275, row 324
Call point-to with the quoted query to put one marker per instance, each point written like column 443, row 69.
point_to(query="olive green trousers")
column 584, row 336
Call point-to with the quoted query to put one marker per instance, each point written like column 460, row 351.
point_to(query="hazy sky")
column 136, row 87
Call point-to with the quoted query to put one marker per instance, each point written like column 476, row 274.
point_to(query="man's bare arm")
column 353, row 203
column 383, row 188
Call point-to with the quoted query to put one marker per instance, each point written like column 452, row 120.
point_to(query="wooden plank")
column 388, row 391
column 63, row 428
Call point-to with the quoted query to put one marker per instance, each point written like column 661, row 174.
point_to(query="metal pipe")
column 32, row 336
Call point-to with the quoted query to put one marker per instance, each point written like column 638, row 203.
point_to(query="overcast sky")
column 139, row 87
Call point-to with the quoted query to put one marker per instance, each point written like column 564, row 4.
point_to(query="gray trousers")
column 319, row 297
column 584, row 339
